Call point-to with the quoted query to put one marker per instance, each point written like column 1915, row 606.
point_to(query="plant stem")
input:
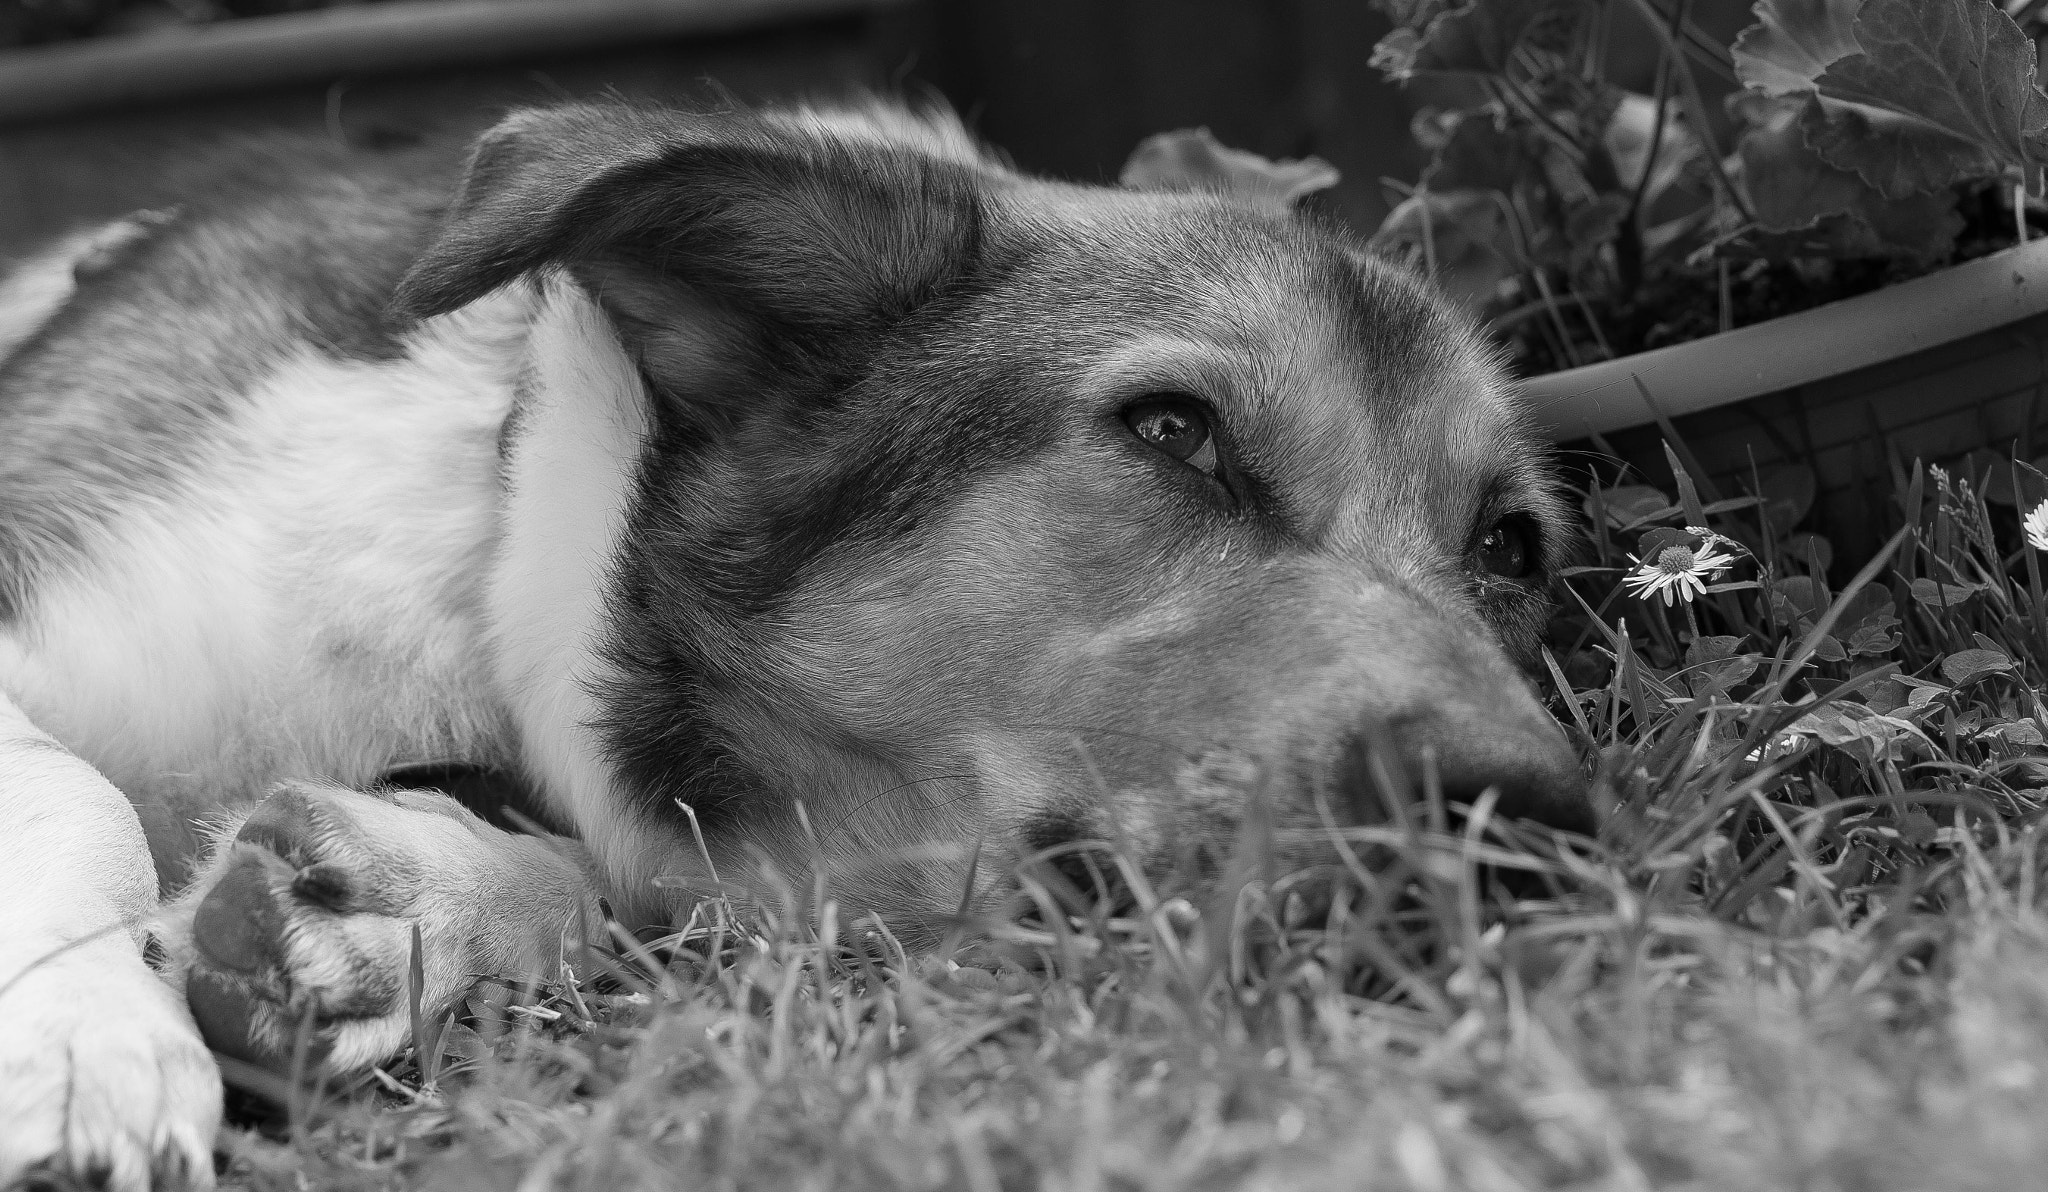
column 1664, row 56
column 1508, row 92
column 1517, row 231
column 1593, row 68
column 1628, row 248
column 1705, row 49
column 1551, row 304
column 1592, row 322
column 1428, row 235
column 1696, row 108
column 1727, row 298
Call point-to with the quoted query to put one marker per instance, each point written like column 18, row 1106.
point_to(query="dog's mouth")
column 1080, row 879
column 1292, row 883
column 1354, row 821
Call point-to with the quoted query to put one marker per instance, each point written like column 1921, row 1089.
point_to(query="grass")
column 1807, row 951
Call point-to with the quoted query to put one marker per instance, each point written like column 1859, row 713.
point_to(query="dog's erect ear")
column 820, row 234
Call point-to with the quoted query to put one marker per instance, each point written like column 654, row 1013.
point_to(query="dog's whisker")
column 864, row 804
column 1094, row 730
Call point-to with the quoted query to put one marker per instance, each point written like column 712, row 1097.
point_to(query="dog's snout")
column 1535, row 772
column 1524, row 758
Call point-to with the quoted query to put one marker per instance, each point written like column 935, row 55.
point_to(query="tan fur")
column 778, row 466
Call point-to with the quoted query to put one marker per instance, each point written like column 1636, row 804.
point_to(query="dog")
column 797, row 490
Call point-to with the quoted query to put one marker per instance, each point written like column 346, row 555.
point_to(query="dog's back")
column 246, row 514
column 128, row 350
column 207, row 417
column 173, row 316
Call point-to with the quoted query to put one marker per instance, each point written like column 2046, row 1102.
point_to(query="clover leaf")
column 1967, row 666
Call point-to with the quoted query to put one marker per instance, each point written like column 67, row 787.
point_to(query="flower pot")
column 1929, row 369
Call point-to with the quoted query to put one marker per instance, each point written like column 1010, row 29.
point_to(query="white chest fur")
column 309, row 603
column 569, row 478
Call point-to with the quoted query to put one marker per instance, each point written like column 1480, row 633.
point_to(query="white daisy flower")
column 2037, row 527
column 1784, row 744
column 1678, row 572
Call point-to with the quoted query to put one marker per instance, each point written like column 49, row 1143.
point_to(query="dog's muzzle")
column 1517, row 753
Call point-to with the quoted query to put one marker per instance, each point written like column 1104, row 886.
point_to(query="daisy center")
column 1675, row 560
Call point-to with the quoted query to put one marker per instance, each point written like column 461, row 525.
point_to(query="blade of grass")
column 1565, row 693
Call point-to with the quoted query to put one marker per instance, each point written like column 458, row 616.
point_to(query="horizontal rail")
column 42, row 82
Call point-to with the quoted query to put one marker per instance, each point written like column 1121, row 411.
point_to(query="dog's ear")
column 818, row 235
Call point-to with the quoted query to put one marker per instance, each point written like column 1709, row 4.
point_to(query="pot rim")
column 1796, row 349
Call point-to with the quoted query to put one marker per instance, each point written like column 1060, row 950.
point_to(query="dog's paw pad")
column 240, row 925
column 305, row 923
column 232, row 1020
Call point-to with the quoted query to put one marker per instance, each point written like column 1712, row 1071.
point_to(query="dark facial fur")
column 896, row 554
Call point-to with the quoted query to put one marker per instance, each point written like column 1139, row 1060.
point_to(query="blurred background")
column 99, row 97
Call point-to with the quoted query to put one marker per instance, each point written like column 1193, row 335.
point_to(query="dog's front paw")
column 104, row 1083
column 307, row 921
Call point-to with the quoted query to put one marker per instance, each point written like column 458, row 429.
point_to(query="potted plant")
column 1843, row 280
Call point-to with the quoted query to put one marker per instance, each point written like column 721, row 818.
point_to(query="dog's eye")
column 1176, row 426
column 1508, row 550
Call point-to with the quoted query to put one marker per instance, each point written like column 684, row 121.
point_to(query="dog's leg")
column 308, row 913
column 102, row 1075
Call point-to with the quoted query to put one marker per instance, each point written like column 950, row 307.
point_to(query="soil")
column 1679, row 301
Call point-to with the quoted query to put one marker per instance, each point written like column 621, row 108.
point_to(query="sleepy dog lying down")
column 736, row 462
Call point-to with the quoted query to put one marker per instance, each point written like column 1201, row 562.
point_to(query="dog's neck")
column 571, row 462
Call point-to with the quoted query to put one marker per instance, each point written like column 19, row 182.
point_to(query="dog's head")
column 968, row 507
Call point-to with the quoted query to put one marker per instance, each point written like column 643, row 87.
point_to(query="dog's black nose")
column 1523, row 756
column 1538, row 777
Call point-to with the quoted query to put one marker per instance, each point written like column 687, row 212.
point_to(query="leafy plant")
column 1870, row 140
